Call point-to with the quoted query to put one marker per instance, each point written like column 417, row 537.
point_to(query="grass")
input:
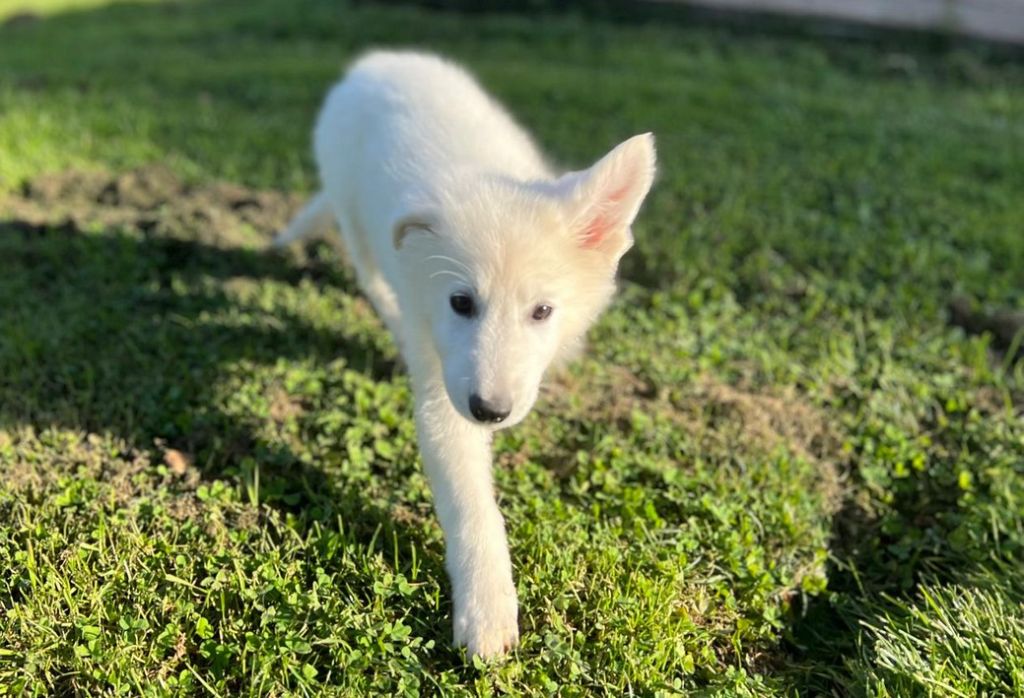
column 778, row 471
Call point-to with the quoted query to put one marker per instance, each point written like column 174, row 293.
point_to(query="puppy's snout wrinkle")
column 488, row 411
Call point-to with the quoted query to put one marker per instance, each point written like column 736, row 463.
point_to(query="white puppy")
column 485, row 266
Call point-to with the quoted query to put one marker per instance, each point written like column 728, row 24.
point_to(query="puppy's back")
column 424, row 115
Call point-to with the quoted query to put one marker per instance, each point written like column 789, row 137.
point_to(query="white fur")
column 438, row 192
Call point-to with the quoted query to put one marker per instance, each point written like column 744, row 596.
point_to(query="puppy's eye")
column 542, row 312
column 462, row 304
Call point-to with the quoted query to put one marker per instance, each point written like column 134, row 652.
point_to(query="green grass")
column 778, row 471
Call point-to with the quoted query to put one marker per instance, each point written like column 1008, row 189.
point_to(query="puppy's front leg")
column 457, row 459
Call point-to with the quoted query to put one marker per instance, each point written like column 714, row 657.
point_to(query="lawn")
column 779, row 470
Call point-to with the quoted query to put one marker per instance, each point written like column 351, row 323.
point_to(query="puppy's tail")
column 314, row 218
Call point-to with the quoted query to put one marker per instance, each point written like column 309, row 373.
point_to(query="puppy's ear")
column 603, row 201
column 413, row 223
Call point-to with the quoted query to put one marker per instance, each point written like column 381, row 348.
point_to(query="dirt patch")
column 720, row 417
column 707, row 409
column 112, row 462
column 150, row 199
column 124, row 473
column 283, row 406
column 409, row 516
column 610, row 394
column 1004, row 324
column 21, row 19
column 725, row 412
column 737, row 419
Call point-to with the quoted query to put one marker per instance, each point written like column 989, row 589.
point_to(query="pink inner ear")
column 595, row 232
column 598, row 228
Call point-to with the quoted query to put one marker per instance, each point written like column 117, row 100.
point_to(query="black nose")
column 487, row 411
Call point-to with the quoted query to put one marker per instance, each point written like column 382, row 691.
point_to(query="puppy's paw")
column 486, row 620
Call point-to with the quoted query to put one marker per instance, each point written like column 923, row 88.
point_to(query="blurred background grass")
column 894, row 167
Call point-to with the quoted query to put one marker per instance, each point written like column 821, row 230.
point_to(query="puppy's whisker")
column 445, row 258
column 457, row 275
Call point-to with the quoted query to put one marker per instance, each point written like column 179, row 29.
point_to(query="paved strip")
column 998, row 20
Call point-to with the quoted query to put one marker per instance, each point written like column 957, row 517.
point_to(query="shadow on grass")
column 126, row 333
column 131, row 334
column 927, row 534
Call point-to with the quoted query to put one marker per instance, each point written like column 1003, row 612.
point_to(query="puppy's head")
column 508, row 276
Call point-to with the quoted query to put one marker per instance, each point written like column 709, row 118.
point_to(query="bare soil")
column 151, row 199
